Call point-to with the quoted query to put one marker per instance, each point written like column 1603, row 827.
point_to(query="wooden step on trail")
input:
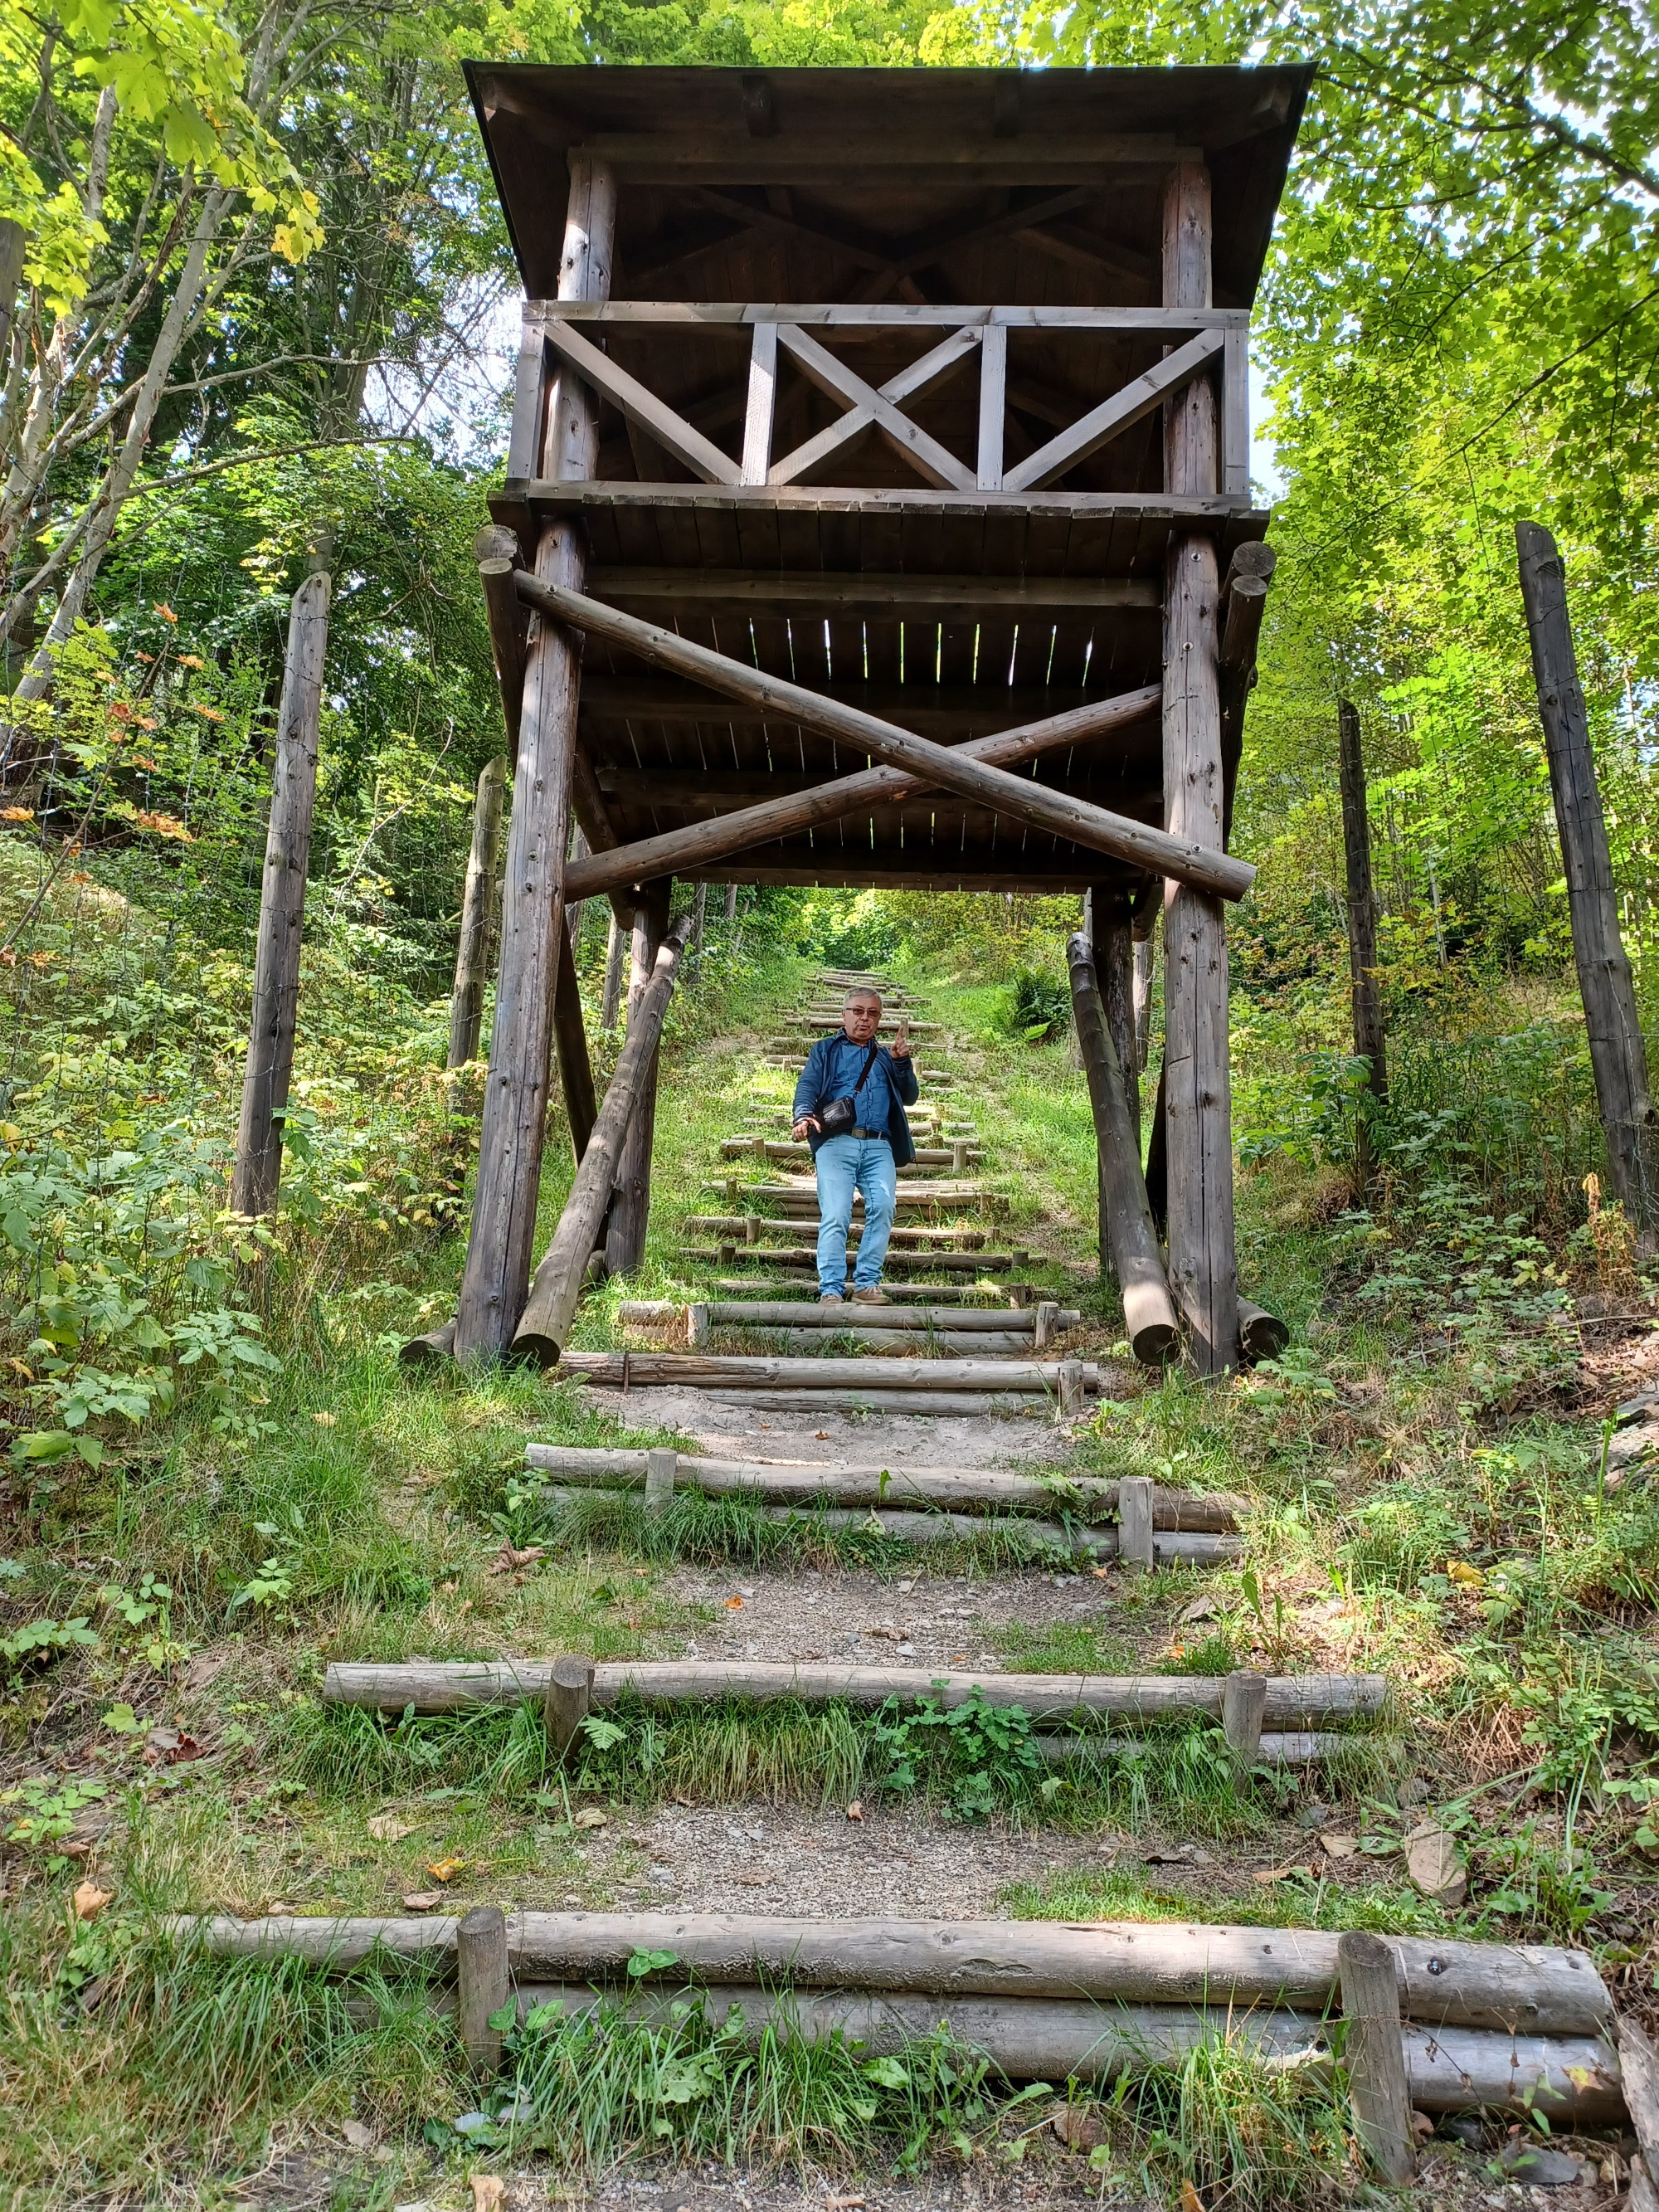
column 676, row 1370
column 1288, row 1702
column 1027, row 1328
column 983, row 1489
column 1040, row 2001
column 1130, row 1520
column 956, row 1158
column 1011, row 1294
column 802, row 1197
column 972, row 1260
column 912, row 1235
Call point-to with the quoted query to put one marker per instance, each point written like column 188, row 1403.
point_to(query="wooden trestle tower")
column 862, row 414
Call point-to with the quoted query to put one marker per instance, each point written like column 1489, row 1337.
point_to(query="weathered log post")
column 1243, row 604
column 485, row 1984
column 477, row 905
column 1127, row 1231
column 559, row 1278
column 731, row 903
column 573, row 914
column 499, row 1248
column 1373, row 2053
column 630, row 1208
column 1618, row 1054
column 1367, row 995
column 1111, row 926
column 259, row 1171
column 1198, row 1101
column 700, row 917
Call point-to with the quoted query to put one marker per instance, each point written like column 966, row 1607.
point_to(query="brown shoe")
column 831, row 1299
column 875, row 1298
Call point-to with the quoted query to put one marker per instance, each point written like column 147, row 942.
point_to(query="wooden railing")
column 1202, row 341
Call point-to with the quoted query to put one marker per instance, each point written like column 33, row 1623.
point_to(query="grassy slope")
column 381, row 1501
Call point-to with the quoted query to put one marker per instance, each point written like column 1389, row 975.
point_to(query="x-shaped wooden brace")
column 869, row 406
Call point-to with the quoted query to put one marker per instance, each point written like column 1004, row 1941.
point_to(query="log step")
column 1293, row 1701
column 899, row 1317
column 989, row 1490
column 1014, row 1295
column 1063, row 1540
column 971, row 1262
column 737, row 1370
column 919, row 1405
column 906, row 1236
column 786, row 1148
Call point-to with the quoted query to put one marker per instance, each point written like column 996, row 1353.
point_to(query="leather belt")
column 880, row 1135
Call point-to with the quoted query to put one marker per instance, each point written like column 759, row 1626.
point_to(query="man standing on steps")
column 850, row 1107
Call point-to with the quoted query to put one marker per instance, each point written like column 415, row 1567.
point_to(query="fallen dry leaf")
column 422, row 1900
column 1190, row 2199
column 509, row 1558
column 90, row 1900
column 842, row 2203
column 1281, row 1874
column 326, row 1420
column 1202, row 1608
column 487, row 2191
column 734, row 1605
column 1101, row 1574
column 277, row 1908
column 1338, row 1847
column 590, row 1817
column 1436, row 1866
column 855, row 1810
column 823, row 1436
column 391, row 1828
column 356, row 2134
column 445, row 1869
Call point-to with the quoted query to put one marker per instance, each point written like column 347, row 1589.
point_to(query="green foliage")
column 1039, row 1007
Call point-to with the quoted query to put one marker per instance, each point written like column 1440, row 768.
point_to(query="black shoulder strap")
column 864, row 1073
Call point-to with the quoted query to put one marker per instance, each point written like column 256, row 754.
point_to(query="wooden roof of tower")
column 952, row 586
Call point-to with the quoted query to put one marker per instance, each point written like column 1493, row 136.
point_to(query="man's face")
column 861, row 1018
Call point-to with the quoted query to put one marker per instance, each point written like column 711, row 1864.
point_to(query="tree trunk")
column 1618, row 1053
column 282, row 905
column 477, row 902
column 630, row 1209
column 1367, row 995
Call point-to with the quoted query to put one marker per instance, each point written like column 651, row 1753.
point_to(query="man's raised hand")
column 900, row 1046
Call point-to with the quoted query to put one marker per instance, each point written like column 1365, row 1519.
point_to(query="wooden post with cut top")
column 1198, row 1098
column 1618, row 1053
column 564, row 439
column 1374, row 2055
column 630, row 1210
column 269, row 1069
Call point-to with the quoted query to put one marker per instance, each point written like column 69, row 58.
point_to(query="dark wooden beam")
column 704, row 843
column 824, row 590
column 1034, row 804
column 962, row 707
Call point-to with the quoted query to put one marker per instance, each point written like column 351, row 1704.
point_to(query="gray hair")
column 861, row 991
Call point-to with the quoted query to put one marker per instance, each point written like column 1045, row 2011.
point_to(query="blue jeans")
column 846, row 1165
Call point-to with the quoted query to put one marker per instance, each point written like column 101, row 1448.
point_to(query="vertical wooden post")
column 564, row 1707
column 477, row 905
column 259, row 1171
column 700, row 916
column 762, row 403
column 1368, row 1042
column 993, row 393
column 1071, row 1387
column 1144, row 948
column 731, row 902
column 1243, row 1704
column 630, row 1212
column 660, row 1469
column 1617, row 1053
column 1203, row 1264
column 486, row 1985
column 500, row 1243
column 1375, row 2056
column 1115, row 967
column 610, row 1005
column 1134, row 1521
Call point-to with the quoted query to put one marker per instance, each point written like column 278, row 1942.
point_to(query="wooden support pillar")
column 1198, row 1101
column 564, row 1270
column 630, row 1211
column 478, row 912
column 612, row 1004
column 500, row 1243
column 1366, row 992
column 1375, row 2055
column 570, row 1041
column 1115, row 967
column 1617, row 1053
column 259, row 1170
column 699, row 920
column 579, row 849
column 731, row 902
